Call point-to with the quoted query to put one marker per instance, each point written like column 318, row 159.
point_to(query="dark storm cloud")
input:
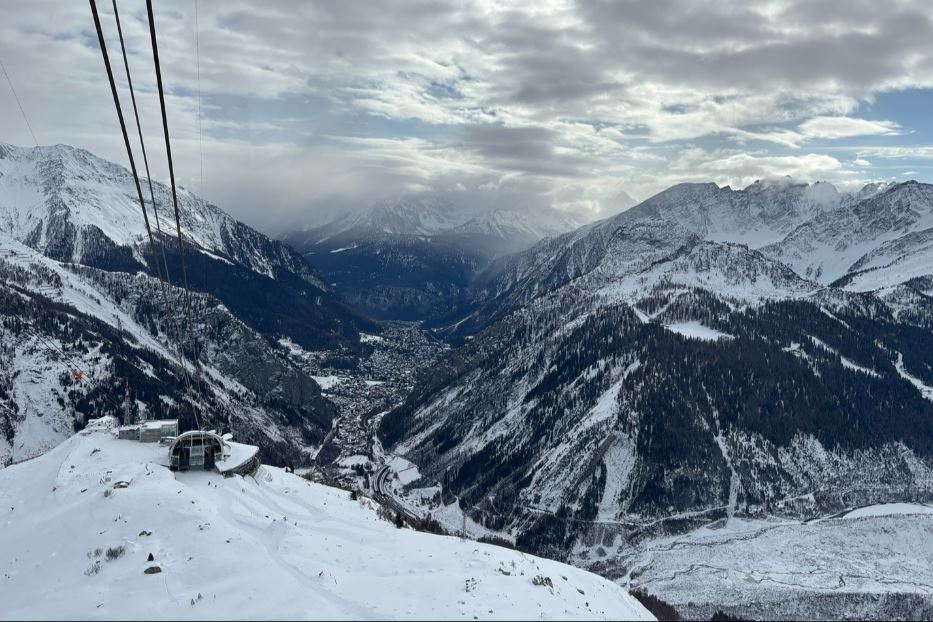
column 528, row 150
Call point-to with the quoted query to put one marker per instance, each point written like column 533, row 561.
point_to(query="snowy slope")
column 274, row 547
column 887, row 225
column 874, row 562
column 891, row 263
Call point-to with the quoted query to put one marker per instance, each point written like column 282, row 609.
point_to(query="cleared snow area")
column 695, row 330
column 619, row 460
column 407, row 471
column 273, row 547
column 889, row 509
column 925, row 391
column 855, row 367
column 328, row 382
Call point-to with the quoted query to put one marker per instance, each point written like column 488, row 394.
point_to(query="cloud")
column 897, row 153
column 846, row 127
column 322, row 106
column 741, row 169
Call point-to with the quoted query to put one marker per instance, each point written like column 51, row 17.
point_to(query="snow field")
column 276, row 546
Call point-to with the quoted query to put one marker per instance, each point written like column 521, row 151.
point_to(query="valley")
column 363, row 388
column 650, row 397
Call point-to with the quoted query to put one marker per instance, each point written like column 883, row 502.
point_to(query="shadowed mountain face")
column 414, row 257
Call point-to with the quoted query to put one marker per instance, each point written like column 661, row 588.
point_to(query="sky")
column 311, row 108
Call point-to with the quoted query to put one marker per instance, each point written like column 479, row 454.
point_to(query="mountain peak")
column 419, row 214
column 45, row 152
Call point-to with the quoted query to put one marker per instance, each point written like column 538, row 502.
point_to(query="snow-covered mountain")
column 82, row 313
column 823, row 234
column 520, row 227
column 874, row 240
column 413, row 257
column 418, row 214
column 876, row 233
column 431, row 215
column 74, row 338
column 760, row 214
column 120, row 536
column 72, row 206
column 624, row 259
column 75, row 207
column 665, row 369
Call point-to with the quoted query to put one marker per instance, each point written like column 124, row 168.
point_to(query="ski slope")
column 273, row 547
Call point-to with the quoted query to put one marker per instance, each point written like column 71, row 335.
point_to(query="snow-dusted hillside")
column 58, row 320
column 650, row 373
column 78, row 524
